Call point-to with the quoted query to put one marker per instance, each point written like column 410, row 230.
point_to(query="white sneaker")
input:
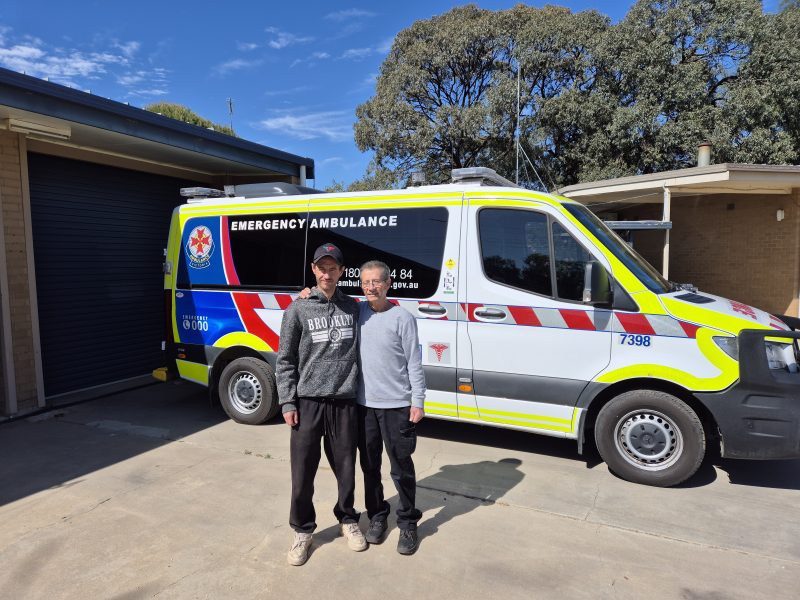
column 355, row 539
column 298, row 553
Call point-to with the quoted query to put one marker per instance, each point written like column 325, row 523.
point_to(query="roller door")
column 98, row 238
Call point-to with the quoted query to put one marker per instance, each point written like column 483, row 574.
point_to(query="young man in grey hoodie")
column 317, row 377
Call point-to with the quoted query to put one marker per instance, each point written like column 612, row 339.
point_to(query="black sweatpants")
column 336, row 422
column 389, row 427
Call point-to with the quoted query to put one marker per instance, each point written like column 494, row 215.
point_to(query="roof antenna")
column 516, row 129
column 230, row 114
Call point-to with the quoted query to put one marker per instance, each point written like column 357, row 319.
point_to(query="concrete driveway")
column 153, row 493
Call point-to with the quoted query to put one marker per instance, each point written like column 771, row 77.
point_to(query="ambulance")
column 533, row 315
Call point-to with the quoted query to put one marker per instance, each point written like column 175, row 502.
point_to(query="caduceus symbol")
column 439, row 349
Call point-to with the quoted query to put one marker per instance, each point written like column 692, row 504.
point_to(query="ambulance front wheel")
column 247, row 391
column 650, row 437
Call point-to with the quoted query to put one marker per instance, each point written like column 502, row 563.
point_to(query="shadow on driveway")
column 778, row 474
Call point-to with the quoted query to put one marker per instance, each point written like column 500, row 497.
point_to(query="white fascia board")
column 653, row 184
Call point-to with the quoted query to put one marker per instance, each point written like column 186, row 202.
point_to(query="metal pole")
column 666, row 218
column 516, row 129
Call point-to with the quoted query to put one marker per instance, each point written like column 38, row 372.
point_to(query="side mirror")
column 596, row 284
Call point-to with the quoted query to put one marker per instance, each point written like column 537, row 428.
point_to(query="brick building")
column 87, row 187
column 735, row 228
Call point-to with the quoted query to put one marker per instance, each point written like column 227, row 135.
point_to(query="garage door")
column 98, row 239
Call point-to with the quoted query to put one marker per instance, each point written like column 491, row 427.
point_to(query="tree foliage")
column 596, row 99
column 182, row 113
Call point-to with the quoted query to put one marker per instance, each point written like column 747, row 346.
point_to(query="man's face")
column 327, row 271
column 374, row 286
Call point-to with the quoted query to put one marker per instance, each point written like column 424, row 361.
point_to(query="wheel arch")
column 604, row 395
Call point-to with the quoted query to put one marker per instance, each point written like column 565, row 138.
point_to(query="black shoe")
column 375, row 532
column 408, row 542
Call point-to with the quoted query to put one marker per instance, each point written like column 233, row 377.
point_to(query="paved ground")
column 152, row 493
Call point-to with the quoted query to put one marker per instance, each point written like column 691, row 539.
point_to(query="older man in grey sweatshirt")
column 391, row 394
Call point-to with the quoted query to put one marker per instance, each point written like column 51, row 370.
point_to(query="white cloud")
column 294, row 90
column 331, row 160
column 128, row 48
column 350, row 13
column 60, row 65
column 311, row 59
column 335, row 125
column 76, row 67
column 130, row 79
column 73, row 66
column 148, row 92
column 246, row 46
column 357, row 53
column 235, row 65
column 282, row 39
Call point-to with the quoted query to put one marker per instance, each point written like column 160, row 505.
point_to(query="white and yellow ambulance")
column 533, row 315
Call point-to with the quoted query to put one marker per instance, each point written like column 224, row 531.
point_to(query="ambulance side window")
column 409, row 240
column 515, row 248
column 570, row 261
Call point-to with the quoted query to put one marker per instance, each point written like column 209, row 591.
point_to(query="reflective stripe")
column 531, row 316
column 193, row 371
column 504, row 417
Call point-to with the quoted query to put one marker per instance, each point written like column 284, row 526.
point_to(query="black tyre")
column 650, row 437
column 247, row 391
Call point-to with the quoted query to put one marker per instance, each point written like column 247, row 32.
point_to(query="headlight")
column 729, row 345
column 781, row 356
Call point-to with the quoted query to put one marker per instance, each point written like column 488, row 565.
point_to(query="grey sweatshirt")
column 317, row 356
column 391, row 362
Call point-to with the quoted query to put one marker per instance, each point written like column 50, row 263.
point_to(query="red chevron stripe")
column 689, row 328
column 634, row 323
column 525, row 315
column 246, row 305
column 283, row 300
column 577, row 319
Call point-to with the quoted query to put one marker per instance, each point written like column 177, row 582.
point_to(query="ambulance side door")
column 534, row 344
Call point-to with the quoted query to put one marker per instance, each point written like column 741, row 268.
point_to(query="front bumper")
column 759, row 416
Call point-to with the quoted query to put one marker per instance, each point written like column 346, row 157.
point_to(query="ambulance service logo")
column 200, row 247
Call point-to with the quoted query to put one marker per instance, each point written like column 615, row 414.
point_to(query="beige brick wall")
column 731, row 245
column 17, row 270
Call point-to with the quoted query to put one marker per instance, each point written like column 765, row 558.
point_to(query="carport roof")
column 79, row 119
column 724, row 178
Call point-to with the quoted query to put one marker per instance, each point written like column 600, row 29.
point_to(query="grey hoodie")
column 318, row 351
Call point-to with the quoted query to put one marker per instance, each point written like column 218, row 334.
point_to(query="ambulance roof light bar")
column 201, row 193
column 247, row 190
column 481, row 176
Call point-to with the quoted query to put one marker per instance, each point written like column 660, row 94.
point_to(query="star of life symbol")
column 200, row 247
column 439, row 350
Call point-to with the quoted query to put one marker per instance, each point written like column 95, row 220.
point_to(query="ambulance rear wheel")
column 650, row 437
column 247, row 391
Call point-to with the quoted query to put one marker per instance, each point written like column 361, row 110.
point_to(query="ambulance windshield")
column 646, row 273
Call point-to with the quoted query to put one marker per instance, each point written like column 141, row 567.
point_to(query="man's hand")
column 416, row 414
column 291, row 418
column 304, row 294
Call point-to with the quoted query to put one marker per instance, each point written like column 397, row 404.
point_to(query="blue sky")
column 295, row 72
